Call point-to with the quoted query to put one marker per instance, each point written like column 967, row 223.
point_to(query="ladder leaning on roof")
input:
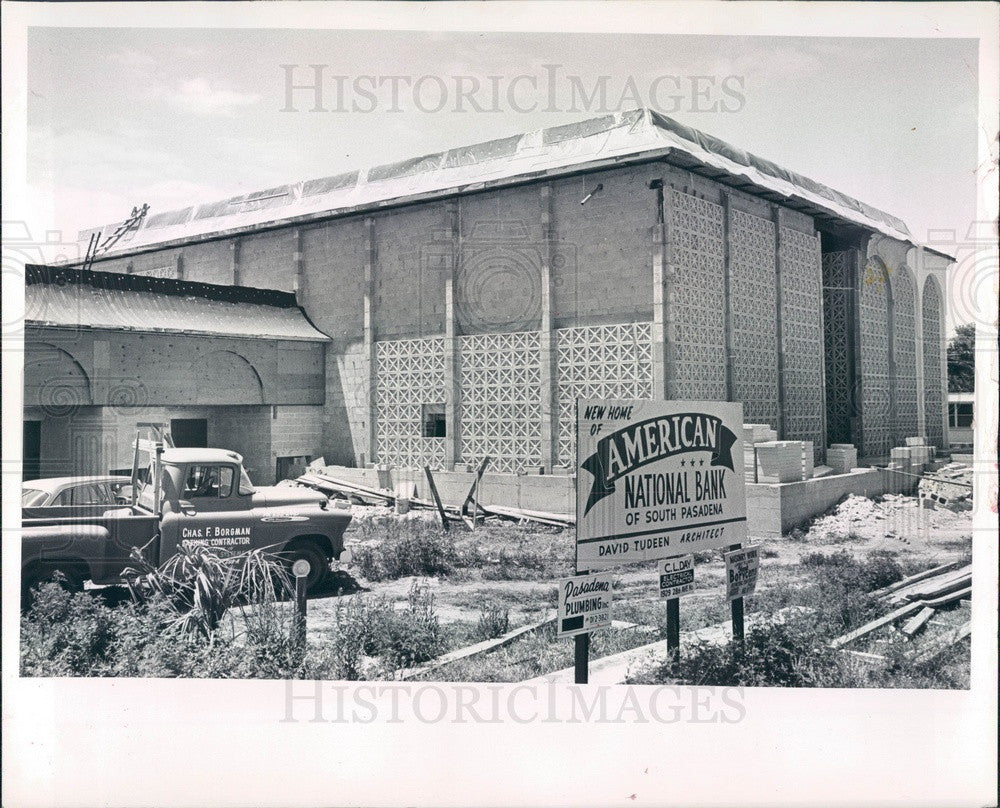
column 152, row 438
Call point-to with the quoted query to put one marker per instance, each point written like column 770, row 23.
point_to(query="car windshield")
column 31, row 497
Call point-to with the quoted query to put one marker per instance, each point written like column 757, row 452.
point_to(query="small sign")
column 657, row 479
column 300, row 569
column 741, row 572
column 676, row 576
column 584, row 604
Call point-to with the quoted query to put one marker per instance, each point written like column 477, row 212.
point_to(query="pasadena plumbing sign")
column 584, row 604
column 657, row 479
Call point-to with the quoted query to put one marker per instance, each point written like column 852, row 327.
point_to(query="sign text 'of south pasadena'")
column 657, row 479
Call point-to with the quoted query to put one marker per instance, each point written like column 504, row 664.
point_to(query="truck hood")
column 285, row 496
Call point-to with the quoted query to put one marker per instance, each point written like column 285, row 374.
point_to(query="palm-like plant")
column 202, row 583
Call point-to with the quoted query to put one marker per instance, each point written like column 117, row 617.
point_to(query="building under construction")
column 445, row 308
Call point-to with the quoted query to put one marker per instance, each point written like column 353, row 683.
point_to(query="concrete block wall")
column 145, row 369
column 411, row 246
column 602, row 268
column 297, row 430
column 347, row 413
column 267, row 260
column 333, row 288
column 500, row 257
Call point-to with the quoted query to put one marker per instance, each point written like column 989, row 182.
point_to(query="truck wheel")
column 31, row 577
column 319, row 564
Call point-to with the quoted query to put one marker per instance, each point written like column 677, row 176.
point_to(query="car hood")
column 285, row 496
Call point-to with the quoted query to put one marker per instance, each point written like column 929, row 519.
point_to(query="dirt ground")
column 894, row 525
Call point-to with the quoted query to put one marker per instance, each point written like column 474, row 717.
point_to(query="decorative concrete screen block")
column 808, row 459
column 697, row 301
column 802, row 336
column 933, row 387
column 904, row 319
column 919, row 441
column 608, row 361
column 779, row 461
column 875, row 379
column 838, row 283
column 753, row 302
column 501, row 400
column 842, row 457
column 408, row 374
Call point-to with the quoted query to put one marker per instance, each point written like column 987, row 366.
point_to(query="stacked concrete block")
column 842, row 457
column 754, row 434
column 779, row 461
column 807, row 459
column 918, row 441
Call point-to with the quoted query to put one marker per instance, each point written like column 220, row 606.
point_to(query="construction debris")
column 470, row 513
column 921, row 595
column 950, row 486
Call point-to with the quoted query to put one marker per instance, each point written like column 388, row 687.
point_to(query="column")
column 452, row 381
column 776, row 216
column 546, row 337
column 369, row 337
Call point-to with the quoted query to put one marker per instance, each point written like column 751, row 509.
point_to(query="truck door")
column 212, row 508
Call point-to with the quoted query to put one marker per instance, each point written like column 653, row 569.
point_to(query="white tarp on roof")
column 76, row 305
column 619, row 137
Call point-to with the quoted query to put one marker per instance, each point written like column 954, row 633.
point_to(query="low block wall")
column 540, row 492
column 773, row 510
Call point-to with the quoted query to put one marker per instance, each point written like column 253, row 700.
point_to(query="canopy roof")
column 72, row 298
column 620, row 138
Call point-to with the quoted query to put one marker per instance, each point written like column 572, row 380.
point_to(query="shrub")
column 404, row 547
column 771, row 655
column 369, row 626
column 494, row 621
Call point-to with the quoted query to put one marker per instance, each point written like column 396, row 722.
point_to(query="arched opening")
column 226, row 377
column 53, row 380
column 904, row 335
column 876, row 358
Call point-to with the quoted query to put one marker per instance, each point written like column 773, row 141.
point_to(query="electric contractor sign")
column 657, row 479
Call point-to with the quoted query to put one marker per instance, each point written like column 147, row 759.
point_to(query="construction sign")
column 676, row 576
column 657, row 479
column 584, row 604
column 742, row 567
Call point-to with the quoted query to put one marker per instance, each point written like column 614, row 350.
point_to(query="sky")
column 171, row 117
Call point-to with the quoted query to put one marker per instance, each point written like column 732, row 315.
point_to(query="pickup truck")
column 200, row 495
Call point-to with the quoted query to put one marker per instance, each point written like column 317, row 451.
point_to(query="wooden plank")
column 874, row 625
column 475, row 484
column 437, row 497
column 920, row 576
column 914, row 624
column 933, row 589
column 479, row 648
column 936, row 649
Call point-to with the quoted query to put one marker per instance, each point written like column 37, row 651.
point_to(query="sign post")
column 676, row 579
column 656, row 480
column 584, row 605
column 742, row 566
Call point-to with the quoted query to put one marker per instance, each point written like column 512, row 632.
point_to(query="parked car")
column 107, row 490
